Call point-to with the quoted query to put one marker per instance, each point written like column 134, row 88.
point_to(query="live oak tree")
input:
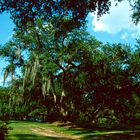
column 75, row 77
column 45, row 64
column 64, row 69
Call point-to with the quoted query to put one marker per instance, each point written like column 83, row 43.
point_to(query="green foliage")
column 74, row 78
column 136, row 14
column 64, row 70
column 4, row 103
column 64, row 15
column 39, row 113
column 3, row 130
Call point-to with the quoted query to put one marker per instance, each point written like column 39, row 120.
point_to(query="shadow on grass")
column 113, row 135
column 103, row 133
column 35, row 137
column 92, row 127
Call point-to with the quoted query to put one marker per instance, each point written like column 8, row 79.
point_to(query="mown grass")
column 22, row 130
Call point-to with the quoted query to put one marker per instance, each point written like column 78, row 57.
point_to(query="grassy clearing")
column 23, row 130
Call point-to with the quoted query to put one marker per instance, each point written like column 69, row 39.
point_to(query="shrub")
column 3, row 130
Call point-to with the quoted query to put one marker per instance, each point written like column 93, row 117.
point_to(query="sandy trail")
column 52, row 133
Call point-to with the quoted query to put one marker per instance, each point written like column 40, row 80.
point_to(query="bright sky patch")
column 119, row 20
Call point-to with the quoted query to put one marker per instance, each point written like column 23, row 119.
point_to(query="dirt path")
column 52, row 133
column 131, row 135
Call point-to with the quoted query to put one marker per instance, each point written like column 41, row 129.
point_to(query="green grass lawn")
column 22, row 130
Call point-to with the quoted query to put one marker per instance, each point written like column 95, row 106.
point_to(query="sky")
column 115, row 27
column 6, row 29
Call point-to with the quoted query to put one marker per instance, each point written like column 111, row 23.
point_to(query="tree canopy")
column 67, row 13
column 73, row 78
column 66, row 74
column 136, row 9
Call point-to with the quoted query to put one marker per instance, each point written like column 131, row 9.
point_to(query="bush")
column 3, row 130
